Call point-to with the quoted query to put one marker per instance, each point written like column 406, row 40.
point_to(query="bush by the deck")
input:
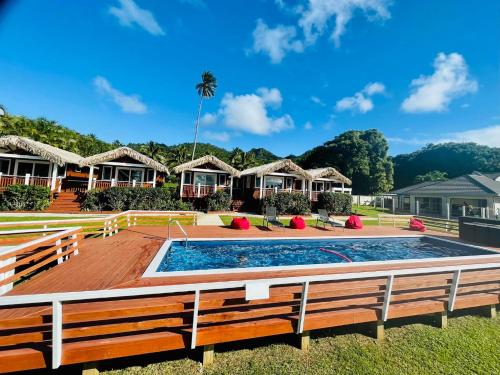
column 335, row 203
column 289, row 203
column 123, row 198
column 218, row 201
column 25, row 198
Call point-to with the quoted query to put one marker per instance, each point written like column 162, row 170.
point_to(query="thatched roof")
column 283, row 164
column 121, row 152
column 207, row 159
column 329, row 172
column 50, row 153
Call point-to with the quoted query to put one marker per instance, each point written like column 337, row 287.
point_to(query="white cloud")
column 129, row 13
column 127, row 103
column 217, row 136
column 488, row 136
column 208, row 119
column 316, row 18
column 434, row 93
column 275, row 42
column 308, row 125
column 317, row 100
column 361, row 101
column 249, row 113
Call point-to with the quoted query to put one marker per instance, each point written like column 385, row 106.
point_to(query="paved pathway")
column 209, row 219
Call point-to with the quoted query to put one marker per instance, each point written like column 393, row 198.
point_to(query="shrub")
column 218, row 201
column 289, row 203
column 335, row 203
column 25, row 198
column 123, row 198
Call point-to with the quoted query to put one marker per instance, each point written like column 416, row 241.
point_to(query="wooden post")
column 182, row 184
column 310, row 185
column 343, row 187
column 91, row 176
column 417, row 205
column 54, row 177
column 493, row 311
column 154, row 177
column 59, row 251
column 463, row 210
column 90, row 369
column 379, row 330
column 442, row 319
column 199, row 189
column 393, row 205
column 27, row 179
column 448, row 213
column 305, row 341
column 231, row 187
column 75, row 244
column 208, row 355
column 260, row 186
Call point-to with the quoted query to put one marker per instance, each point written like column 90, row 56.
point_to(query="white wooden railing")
column 255, row 290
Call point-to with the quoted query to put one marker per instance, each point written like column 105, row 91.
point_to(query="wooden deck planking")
column 98, row 330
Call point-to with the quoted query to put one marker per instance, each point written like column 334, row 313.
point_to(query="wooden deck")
column 105, row 329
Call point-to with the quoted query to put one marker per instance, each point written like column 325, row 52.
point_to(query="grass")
column 369, row 211
column 468, row 346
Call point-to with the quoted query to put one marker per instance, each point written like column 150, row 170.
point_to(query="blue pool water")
column 209, row 255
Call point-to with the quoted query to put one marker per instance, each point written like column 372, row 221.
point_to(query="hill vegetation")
column 360, row 155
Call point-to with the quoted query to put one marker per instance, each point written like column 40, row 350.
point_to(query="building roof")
column 329, row 172
column 120, row 152
column 283, row 164
column 207, row 159
column 475, row 184
column 48, row 152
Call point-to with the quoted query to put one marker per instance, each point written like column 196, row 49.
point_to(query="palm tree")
column 3, row 110
column 241, row 160
column 151, row 149
column 206, row 89
column 177, row 156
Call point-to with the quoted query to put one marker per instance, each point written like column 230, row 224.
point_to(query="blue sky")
column 291, row 74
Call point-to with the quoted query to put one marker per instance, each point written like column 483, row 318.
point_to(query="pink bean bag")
column 417, row 224
column 354, row 222
column 297, row 223
column 240, row 223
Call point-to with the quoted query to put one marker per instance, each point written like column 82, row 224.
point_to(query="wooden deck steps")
column 66, row 202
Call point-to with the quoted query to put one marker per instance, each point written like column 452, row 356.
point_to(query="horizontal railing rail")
column 255, row 290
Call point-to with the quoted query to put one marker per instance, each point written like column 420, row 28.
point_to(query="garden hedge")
column 335, row 203
column 218, row 201
column 25, row 198
column 288, row 203
column 124, row 198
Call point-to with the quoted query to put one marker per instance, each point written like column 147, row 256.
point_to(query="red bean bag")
column 241, row 223
column 297, row 223
column 354, row 222
column 417, row 224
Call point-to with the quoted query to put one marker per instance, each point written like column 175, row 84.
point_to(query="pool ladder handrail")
column 182, row 230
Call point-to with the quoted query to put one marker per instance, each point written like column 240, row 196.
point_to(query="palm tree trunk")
column 196, row 126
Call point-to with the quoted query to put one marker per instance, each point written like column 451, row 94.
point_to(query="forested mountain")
column 453, row 159
column 360, row 155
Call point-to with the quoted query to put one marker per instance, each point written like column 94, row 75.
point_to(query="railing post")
column 104, row 229
column 56, row 334
column 75, row 244
column 59, row 251
column 387, row 297
column 195, row 318
column 463, row 210
column 128, row 221
column 116, row 225
column 483, row 213
column 198, row 189
column 303, row 306
column 135, row 220
column 27, row 179
column 417, row 207
column 453, row 290
column 134, row 183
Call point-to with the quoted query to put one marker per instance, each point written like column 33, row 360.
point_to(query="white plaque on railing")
column 256, row 290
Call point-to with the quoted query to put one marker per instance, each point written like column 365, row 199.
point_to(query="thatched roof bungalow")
column 205, row 175
column 23, row 160
column 122, row 167
column 328, row 179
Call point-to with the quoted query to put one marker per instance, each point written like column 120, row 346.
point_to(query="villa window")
column 106, row 173
column 257, row 182
column 4, row 166
column 187, row 178
column 129, row 175
column 274, row 182
column 150, row 175
column 38, row 169
column 222, row 179
column 204, row 179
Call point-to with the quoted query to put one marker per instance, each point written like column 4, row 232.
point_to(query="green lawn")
column 368, row 210
column 470, row 345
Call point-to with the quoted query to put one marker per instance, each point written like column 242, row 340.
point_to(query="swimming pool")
column 224, row 256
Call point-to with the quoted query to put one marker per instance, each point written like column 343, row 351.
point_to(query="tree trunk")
column 196, row 127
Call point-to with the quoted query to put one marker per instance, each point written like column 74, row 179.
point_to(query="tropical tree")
column 206, row 89
column 3, row 110
column 177, row 156
column 151, row 149
column 241, row 160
